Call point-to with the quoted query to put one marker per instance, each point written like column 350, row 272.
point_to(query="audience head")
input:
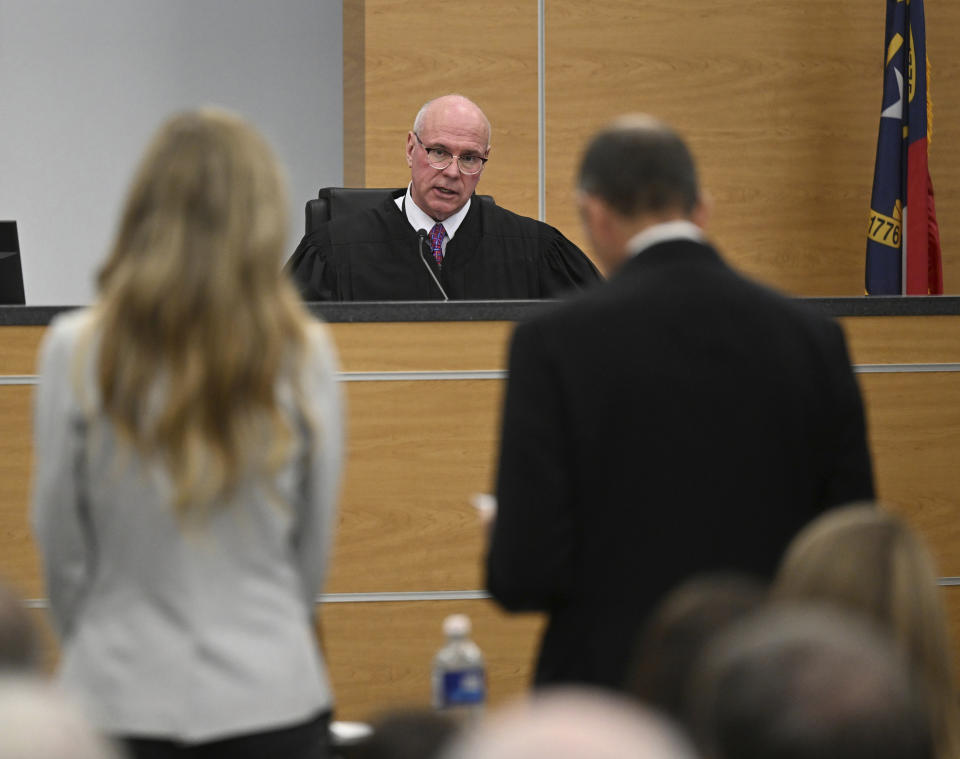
column 679, row 629
column 408, row 734
column 807, row 683
column 193, row 296
column 569, row 724
column 633, row 174
column 37, row 723
column 447, row 126
column 866, row 559
column 19, row 649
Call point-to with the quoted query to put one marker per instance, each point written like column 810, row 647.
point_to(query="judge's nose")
column 453, row 170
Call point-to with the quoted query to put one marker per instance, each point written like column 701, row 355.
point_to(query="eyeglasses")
column 439, row 159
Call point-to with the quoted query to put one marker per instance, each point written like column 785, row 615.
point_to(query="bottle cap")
column 456, row 625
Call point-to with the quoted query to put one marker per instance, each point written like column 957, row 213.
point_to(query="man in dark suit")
column 678, row 419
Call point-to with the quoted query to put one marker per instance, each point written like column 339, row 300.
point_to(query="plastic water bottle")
column 459, row 677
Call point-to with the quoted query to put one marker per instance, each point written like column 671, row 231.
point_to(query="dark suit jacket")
column 677, row 420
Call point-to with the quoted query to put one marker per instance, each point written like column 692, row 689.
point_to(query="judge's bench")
column 424, row 383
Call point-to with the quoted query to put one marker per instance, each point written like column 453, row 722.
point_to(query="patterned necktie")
column 436, row 242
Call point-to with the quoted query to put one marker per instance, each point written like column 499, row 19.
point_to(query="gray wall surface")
column 85, row 83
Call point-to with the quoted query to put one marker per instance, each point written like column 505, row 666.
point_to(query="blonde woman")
column 866, row 559
column 188, row 452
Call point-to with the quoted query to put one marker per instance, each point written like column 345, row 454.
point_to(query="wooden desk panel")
column 422, row 346
column 903, row 340
column 914, row 426
column 18, row 349
column 18, row 557
column 380, row 654
column 417, row 451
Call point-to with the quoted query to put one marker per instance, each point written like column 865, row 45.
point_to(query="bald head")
column 448, row 128
column 455, row 109
column 572, row 725
column 639, row 166
column 36, row 722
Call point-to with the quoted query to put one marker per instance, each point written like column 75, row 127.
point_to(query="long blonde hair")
column 865, row 558
column 197, row 322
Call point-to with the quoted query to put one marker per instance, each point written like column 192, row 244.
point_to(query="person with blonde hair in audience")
column 867, row 559
column 188, row 436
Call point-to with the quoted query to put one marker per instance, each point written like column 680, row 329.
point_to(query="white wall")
column 84, row 84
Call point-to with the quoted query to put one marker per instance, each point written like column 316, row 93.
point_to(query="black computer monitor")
column 11, row 272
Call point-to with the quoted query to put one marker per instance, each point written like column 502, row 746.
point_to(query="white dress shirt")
column 678, row 229
column 419, row 219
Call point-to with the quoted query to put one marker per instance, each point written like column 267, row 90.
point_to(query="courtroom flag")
column 903, row 240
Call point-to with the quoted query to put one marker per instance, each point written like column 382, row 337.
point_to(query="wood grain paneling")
column 380, row 653
column 363, row 347
column 354, row 92
column 417, row 451
column 422, row 346
column 951, row 601
column 18, row 557
column 18, row 349
column 914, row 427
column 779, row 102
column 486, row 51
column 943, row 26
column 903, row 340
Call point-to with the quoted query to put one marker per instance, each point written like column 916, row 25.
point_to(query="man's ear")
column 411, row 146
column 596, row 217
column 703, row 210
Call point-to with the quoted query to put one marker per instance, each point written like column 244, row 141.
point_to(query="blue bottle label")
column 465, row 687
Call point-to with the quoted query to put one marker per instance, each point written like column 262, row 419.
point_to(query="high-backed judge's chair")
column 333, row 202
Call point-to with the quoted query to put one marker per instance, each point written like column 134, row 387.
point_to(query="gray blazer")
column 184, row 633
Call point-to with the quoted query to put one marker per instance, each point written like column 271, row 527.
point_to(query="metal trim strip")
column 541, row 112
column 382, row 597
column 499, row 374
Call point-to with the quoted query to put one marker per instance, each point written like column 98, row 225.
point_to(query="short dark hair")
column 680, row 628
column 638, row 165
column 801, row 682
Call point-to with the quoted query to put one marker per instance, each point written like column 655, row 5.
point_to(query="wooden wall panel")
column 780, row 104
column 914, row 427
column 486, row 51
column 354, row 92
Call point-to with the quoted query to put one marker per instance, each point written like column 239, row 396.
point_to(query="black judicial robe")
column 495, row 254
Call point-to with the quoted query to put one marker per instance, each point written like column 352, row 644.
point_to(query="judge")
column 436, row 240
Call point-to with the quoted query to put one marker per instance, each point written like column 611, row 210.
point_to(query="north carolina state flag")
column 903, row 239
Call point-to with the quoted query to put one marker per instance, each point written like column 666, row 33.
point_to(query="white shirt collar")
column 420, row 220
column 679, row 229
